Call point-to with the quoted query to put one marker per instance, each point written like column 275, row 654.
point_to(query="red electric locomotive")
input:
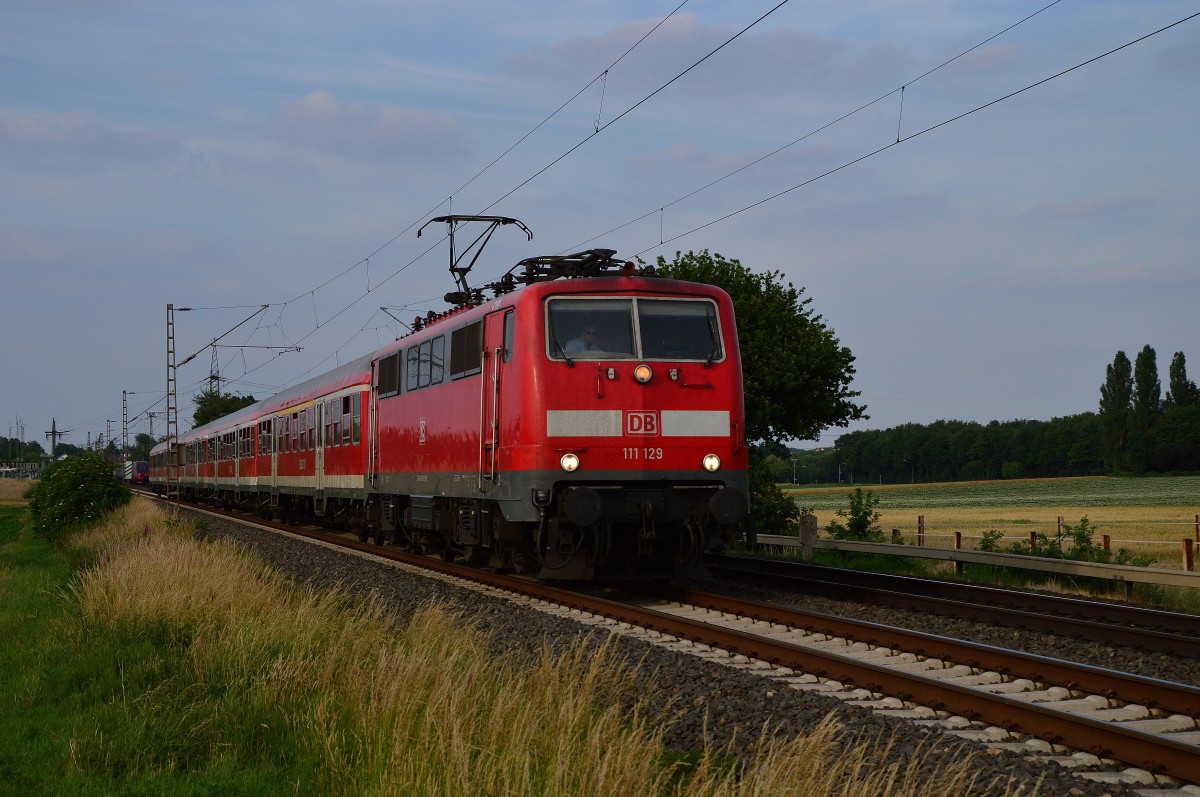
column 588, row 424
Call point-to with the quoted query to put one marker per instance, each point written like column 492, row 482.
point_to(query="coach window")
column 304, row 429
column 296, row 431
column 345, row 420
column 355, row 412
column 312, row 427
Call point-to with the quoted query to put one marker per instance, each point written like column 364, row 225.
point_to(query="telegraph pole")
column 124, row 425
column 53, row 436
column 172, row 474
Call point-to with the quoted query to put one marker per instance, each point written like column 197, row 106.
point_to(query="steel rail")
column 1146, row 629
column 1152, row 752
column 1113, row 684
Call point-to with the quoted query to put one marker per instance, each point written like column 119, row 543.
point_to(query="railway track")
column 1006, row 696
column 1122, row 727
column 1116, row 624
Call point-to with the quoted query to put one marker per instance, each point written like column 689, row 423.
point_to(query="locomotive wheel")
column 403, row 539
column 524, row 563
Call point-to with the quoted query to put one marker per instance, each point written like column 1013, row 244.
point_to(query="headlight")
column 712, row 462
column 642, row 373
column 569, row 463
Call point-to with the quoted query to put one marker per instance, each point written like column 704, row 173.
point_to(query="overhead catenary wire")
column 601, row 128
column 910, row 137
column 811, row 133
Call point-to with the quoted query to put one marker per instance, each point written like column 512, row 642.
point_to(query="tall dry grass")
column 15, row 492
column 352, row 706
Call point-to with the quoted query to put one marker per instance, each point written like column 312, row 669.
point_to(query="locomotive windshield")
column 633, row 328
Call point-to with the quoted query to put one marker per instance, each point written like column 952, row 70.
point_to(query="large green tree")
column 1181, row 391
column 142, row 444
column 797, row 375
column 212, row 404
column 1116, row 410
column 1147, row 405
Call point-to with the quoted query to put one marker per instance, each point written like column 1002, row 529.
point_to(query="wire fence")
column 1177, row 551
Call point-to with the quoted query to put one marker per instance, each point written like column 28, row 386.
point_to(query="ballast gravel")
column 705, row 700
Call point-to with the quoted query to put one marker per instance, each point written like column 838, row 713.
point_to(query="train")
column 133, row 472
column 584, row 422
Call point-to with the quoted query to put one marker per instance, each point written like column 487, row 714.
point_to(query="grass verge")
column 146, row 661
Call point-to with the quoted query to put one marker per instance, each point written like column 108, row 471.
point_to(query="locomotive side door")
column 497, row 346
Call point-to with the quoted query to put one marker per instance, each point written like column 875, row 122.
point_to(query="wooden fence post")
column 958, row 565
column 1187, row 553
column 1107, row 541
column 920, row 529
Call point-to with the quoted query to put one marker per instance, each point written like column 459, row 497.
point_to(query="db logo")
column 641, row 423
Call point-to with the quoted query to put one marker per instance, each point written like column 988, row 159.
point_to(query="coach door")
column 319, row 457
column 497, row 343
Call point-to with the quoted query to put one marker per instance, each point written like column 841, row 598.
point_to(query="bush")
column 772, row 510
column 862, row 519
column 75, row 493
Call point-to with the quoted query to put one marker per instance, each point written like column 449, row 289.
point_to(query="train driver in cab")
column 587, row 341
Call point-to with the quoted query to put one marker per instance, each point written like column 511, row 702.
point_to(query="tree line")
column 1137, row 430
column 1143, row 431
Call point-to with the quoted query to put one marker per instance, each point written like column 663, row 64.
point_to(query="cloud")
column 361, row 132
column 81, row 140
column 1092, row 209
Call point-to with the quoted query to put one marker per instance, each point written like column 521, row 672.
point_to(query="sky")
column 983, row 228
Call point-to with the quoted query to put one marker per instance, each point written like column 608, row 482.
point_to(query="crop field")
column 1147, row 516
